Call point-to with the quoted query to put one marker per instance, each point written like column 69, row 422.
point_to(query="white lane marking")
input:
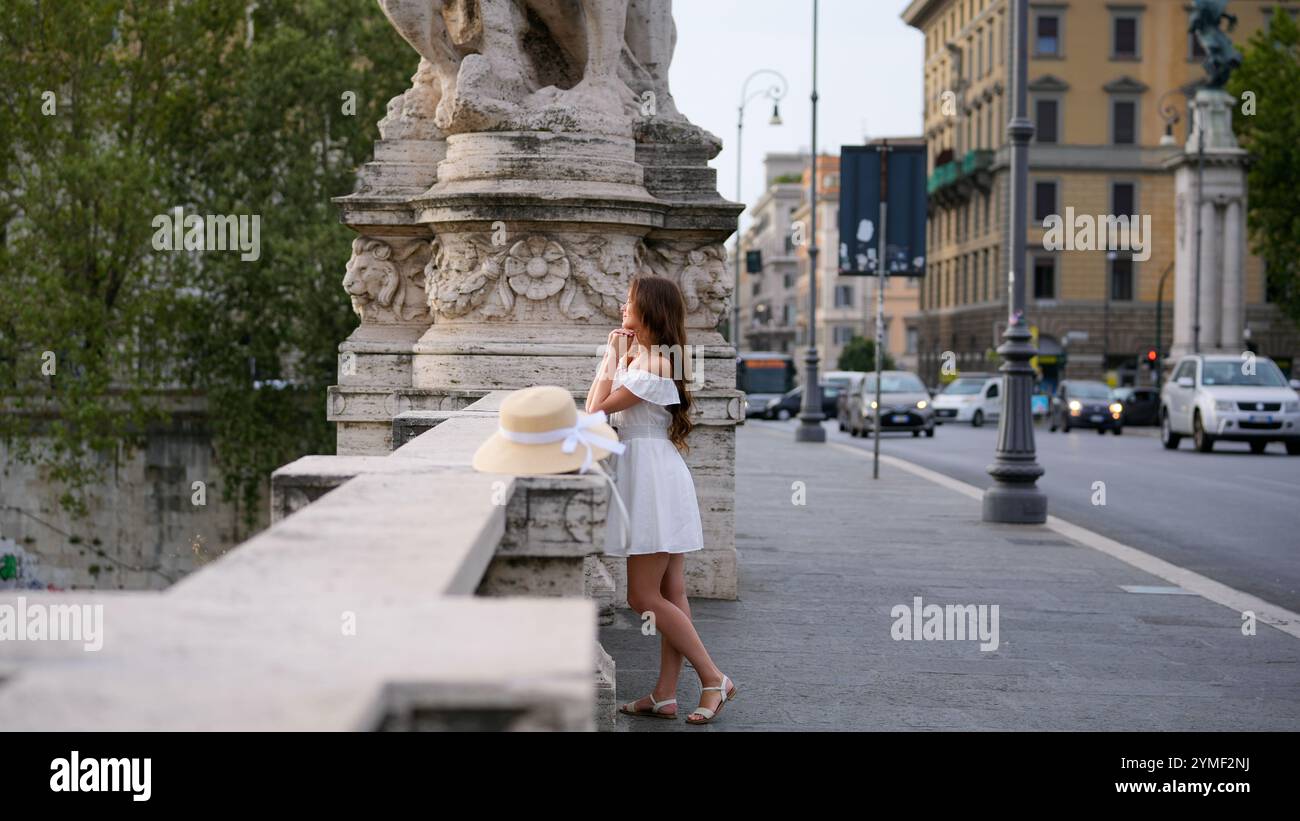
column 1266, row 612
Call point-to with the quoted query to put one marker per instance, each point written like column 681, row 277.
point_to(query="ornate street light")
column 810, row 416
column 1015, row 497
column 774, row 92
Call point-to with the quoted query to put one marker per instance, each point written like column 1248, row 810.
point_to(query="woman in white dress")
column 641, row 383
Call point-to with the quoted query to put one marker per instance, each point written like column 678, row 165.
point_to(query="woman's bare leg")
column 672, row 588
column 645, row 579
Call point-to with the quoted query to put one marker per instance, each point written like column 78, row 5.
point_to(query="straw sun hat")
column 541, row 431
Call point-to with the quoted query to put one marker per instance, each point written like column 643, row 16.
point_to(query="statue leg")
column 420, row 23
column 651, row 38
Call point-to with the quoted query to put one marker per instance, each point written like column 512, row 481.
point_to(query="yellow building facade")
column 1107, row 94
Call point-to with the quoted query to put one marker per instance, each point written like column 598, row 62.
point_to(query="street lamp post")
column 1015, row 497
column 1160, row 308
column 810, row 417
column 775, row 93
column 1111, row 258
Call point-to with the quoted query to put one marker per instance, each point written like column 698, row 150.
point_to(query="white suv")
column 1227, row 397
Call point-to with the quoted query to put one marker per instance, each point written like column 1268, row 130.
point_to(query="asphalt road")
column 1229, row 515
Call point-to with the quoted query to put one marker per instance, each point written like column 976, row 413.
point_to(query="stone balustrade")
column 398, row 592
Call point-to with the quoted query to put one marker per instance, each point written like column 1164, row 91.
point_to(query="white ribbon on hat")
column 580, row 433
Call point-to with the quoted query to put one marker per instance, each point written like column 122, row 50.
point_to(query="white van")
column 973, row 398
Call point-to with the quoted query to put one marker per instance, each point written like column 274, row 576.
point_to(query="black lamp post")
column 810, row 415
column 1015, row 497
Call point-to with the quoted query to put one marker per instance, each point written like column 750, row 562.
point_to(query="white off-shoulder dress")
column 651, row 475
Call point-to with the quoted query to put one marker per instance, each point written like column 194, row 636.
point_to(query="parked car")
column 792, row 403
column 904, row 405
column 973, row 398
column 1086, row 404
column 1213, row 397
column 1141, row 405
column 847, row 382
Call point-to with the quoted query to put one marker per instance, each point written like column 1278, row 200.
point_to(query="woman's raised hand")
column 620, row 340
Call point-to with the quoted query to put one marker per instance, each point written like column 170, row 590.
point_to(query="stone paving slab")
column 809, row 642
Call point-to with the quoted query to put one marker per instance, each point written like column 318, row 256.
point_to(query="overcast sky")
column 868, row 80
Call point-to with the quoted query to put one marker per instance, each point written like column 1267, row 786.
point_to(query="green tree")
column 118, row 111
column 860, row 355
column 1268, row 79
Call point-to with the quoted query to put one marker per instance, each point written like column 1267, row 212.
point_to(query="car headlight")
column 1116, row 407
column 1291, row 407
column 873, row 404
column 1076, row 405
column 921, row 405
column 1223, row 404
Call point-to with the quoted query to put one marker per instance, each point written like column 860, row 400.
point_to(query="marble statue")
column 587, row 66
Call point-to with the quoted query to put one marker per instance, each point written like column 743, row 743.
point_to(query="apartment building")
column 1107, row 94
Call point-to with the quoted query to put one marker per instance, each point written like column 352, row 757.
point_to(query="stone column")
column 1234, row 254
column 1223, row 181
column 1211, row 275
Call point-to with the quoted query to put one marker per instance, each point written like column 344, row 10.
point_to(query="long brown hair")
column 662, row 308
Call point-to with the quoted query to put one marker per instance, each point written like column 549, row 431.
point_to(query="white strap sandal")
column 728, row 693
column 653, row 712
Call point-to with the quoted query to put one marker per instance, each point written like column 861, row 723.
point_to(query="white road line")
column 1279, row 617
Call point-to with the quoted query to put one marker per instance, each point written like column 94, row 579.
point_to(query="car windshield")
column 1089, row 390
column 894, row 383
column 964, row 387
column 1260, row 373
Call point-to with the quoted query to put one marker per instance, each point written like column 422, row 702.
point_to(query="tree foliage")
column 860, row 355
column 118, row 111
column 1268, row 79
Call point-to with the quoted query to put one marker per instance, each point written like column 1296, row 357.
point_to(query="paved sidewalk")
column 809, row 643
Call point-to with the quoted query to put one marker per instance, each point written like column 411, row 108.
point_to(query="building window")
column 1121, row 277
column 757, row 287
column 1044, row 200
column 843, row 296
column 1044, row 278
column 1123, row 119
column 913, row 340
column 787, row 280
column 1046, row 119
column 1124, row 37
column 842, row 334
column 1123, row 198
column 787, row 314
column 1047, row 35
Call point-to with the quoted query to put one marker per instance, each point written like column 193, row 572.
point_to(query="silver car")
column 1236, row 399
column 904, row 405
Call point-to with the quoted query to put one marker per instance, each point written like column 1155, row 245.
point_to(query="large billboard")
column 859, row 223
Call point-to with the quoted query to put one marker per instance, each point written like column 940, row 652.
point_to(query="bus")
column 763, row 376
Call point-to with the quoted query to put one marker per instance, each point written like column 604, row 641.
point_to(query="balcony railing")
column 957, row 178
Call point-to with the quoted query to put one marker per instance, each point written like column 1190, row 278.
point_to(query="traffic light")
column 1152, row 358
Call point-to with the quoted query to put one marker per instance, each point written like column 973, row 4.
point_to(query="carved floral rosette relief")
column 540, row 277
column 533, row 277
column 386, row 279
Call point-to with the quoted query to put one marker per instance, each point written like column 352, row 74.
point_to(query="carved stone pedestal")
column 515, row 195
